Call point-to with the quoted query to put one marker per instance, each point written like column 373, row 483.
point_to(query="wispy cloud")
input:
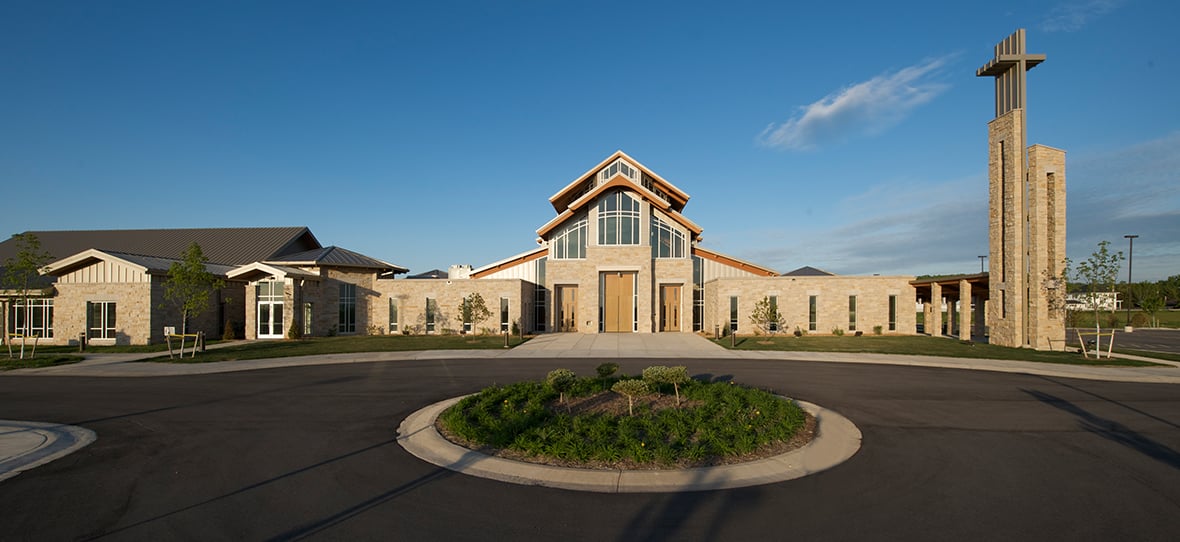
column 941, row 226
column 865, row 108
column 1073, row 16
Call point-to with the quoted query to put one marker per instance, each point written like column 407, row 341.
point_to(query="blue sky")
column 851, row 138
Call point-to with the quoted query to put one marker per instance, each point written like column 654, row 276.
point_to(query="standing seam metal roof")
column 226, row 246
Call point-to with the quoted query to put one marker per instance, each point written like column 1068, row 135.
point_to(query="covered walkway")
column 962, row 297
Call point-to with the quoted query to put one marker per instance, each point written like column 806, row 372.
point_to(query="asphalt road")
column 310, row 452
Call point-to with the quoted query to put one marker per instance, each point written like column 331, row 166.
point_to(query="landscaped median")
column 916, row 345
column 345, row 345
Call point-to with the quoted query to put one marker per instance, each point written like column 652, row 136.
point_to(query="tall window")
column 347, row 308
column 34, row 319
column 666, row 241
column 503, row 315
column 100, row 320
column 540, row 295
column 893, row 313
column 307, row 319
column 392, row 315
column 570, row 242
column 618, row 220
column 851, row 313
column 812, row 313
column 431, row 308
column 733, row 314
column 773, row 324
column 698, row 294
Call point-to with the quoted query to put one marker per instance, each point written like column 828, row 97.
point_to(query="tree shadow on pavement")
column 1112, row 430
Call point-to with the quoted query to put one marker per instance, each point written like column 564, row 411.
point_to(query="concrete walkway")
column 24, row 445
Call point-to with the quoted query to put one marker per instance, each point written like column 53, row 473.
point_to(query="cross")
column 1008, row 68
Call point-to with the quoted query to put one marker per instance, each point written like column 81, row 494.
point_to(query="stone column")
column 964, row 310
column 934, row 322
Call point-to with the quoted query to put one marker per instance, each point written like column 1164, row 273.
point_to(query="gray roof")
column 808, row 271
column 226, row 246
column 432, row 274
column 335, row 257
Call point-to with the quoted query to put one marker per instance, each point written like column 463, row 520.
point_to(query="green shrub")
column 561, row 380
column 839, row 332
column 661, row 374
column 631, row 389
column 608, row 369
column 294, row 332
column 227, row 333
column 877, row 330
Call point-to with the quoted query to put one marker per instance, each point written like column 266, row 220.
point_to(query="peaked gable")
column 620, row 166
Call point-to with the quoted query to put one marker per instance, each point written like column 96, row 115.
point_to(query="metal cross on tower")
column 1008, row 68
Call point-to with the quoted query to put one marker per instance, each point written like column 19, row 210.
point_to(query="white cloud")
column 869, row 107
column 1073, row 16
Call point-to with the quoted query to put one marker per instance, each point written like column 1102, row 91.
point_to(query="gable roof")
column 151, row 265
column 227, row 246
column 808, row 271
column 334, row 256
column 563, row 198
column 733, row 262
column 432, row 274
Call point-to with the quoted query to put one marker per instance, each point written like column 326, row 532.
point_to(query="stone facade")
column 876, row 298
column 1026, row 236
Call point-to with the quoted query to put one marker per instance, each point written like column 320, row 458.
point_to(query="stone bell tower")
column 1026, row 201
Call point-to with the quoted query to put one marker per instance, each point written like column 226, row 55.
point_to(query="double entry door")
column 618, row 301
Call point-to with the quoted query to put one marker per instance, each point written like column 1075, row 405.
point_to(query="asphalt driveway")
column 310, row 452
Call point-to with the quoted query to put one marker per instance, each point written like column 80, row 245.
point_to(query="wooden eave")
column 511, row 262
column 562, row 199
column 733, row 262
column 619, row 181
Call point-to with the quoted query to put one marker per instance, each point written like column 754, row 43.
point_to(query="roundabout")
column 837, row 439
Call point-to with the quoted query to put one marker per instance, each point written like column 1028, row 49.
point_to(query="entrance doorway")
column 270, row 309
column 567, row 308
column 618, row 302
column 670, row 307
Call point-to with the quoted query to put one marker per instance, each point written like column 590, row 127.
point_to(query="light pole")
column 981, row 259
column 1130, row 264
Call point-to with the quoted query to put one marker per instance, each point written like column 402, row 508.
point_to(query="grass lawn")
column 42, row 360
column 1168, row 318
column 916, row 345
column 345, row 345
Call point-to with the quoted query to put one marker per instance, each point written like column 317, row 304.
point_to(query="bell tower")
column 1026, row 218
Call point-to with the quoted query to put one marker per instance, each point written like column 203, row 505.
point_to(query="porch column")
column 964, row 310
column 934, row 323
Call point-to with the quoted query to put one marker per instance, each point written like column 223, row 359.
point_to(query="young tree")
column 1098, row 274
column 473, row 310
column 766, row 316
column 561, row 380
column 189, row 285
column 662, row 374
column 631, row 389
column 1151, row 301
column 22, row 270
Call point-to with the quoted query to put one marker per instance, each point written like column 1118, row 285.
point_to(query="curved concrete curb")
column 837, row 439
column 27, row 445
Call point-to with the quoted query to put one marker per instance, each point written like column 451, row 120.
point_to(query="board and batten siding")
column 106, row 272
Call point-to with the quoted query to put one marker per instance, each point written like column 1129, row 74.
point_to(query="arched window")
column 666, row 241
column 570, row 242
column 618, row 220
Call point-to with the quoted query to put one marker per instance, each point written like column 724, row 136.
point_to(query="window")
column 666, row 241
column 893, row 313
column 392, row 315
column 347, row 308
column 811, row 313
column 698, row 294
column 851, row 313
column 539, row 298
column 307, row 319
column 34, row 319
column 773, row 324
column 100, row 320
column 617, row 167
column 503, row 315
column 570, row 243
column 431, row 308
column 733, row 314
column 618, row 220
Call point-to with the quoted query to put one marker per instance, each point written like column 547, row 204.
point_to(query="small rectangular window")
column 431, row 308
column 100, row 320
column 503, row 315
column 851, row 313
column 811, row 313
column 892, row 313
column 307, row 319
column 733, row 314
column 773, row 324
column 392, row 315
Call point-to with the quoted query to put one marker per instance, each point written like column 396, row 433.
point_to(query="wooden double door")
column 618, row 301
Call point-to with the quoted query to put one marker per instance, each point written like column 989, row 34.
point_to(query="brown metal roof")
column 227, row 246
column 337, row 257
